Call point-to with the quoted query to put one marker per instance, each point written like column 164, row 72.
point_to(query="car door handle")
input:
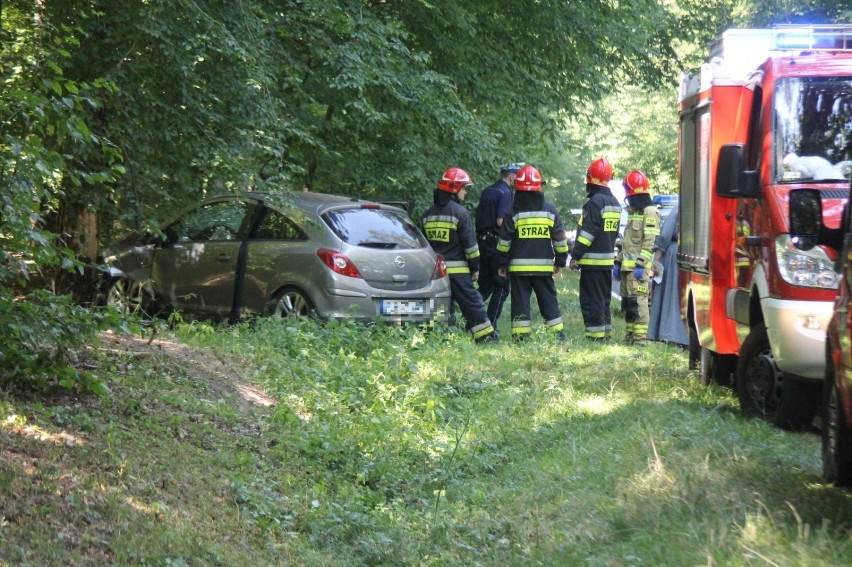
column 223, row 257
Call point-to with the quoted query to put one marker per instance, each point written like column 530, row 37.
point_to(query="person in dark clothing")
column 594, row 250
column 449, row 230
column 495, row 202
column 532, row 248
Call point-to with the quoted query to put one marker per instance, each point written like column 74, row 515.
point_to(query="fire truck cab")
column 769, row 112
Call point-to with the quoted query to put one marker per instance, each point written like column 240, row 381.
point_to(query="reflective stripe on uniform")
column 457, row 267
column 597, row 259
column 482, row 330
column 585, row 237
column 520, row 327
column 531, row 268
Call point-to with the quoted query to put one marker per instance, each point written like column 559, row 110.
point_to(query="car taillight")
column 440, row 269
column 339, row 263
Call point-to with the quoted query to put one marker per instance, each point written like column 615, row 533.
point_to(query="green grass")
column 399, row 446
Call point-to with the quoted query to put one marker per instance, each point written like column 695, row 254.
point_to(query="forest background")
column 117, row 114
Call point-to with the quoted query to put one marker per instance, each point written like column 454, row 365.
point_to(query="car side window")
column 276, row 226
column 224, row 220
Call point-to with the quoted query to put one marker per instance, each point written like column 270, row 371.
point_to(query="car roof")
column 311, row 202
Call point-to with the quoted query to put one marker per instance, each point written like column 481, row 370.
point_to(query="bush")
column 44, row 337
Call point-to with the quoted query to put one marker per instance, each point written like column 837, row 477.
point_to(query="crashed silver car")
column 286, row 254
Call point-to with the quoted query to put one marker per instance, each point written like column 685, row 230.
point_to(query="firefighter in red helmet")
column 634, row 263
column 449, row 228
column 532, row 247
column 594, row 250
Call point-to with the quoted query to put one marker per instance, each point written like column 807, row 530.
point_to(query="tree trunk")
column 76, row 227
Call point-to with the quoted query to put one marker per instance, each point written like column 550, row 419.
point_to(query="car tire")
column 766, row 392
column 128, row 297
column 836, row 437
column 292, row 302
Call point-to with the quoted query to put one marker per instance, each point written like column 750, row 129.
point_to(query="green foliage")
column 42, row 340
column 46, row 147
column 365, row 99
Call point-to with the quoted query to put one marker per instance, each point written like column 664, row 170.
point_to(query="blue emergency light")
column 828, row 37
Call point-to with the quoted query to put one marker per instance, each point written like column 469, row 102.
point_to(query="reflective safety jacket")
column 532, row 242
column 642, row 230
column 449, row 229
column 594, row 247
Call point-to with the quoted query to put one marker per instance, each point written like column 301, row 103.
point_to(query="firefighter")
column 594, row 250
column 449, row 229
column 532, row 248
column 634, row 263
column 495, row 202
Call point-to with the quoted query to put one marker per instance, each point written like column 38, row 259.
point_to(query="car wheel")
column 765, row 392
column 127, row 296
column 292, row 302
column 836, row 438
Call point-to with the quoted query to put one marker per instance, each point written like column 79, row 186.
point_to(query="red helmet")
column 599, row 172
column 635, row 182
column 528, row 179
column 454, row 180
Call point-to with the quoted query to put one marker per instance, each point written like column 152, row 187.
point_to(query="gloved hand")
column 638, row 272
column 616, row 271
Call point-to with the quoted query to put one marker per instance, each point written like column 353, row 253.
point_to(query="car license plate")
column 399, row 307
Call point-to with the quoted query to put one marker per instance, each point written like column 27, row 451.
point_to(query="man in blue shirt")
column 495, row 202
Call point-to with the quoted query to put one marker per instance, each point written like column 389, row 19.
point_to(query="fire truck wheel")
column 765, row 392
column 759, row 381
column 836, row 438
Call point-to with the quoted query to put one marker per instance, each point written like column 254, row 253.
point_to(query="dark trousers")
column 548, row 303
column 493, row 287
column 595, row 299
column 470, row 304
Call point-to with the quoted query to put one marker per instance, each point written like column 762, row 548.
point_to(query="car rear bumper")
column 348, row 304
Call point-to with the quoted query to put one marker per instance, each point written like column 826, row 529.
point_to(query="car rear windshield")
column 375, row 228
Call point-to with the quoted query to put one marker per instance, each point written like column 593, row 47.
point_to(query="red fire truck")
column 770, row 111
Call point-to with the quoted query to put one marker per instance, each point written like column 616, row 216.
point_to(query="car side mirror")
column 732, row 178
column 805, row 218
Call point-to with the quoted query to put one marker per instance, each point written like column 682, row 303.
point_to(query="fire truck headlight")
column 812, row 268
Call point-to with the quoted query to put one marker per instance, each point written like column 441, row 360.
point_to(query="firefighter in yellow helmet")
column 634, row 263
column 449, row 229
